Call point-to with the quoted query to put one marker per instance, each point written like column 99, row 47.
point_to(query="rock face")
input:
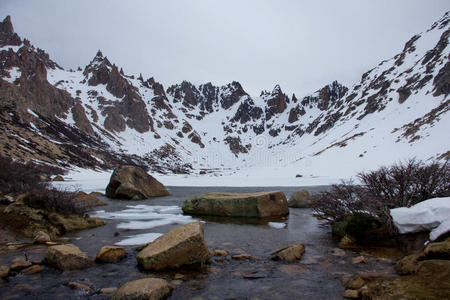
column 130, row 182
column 148, row 288
column 67, row 257
column 291, row 253
column 260, row 205
column 300, row 199
column 109, row 254
column 184, row 245
column 425, row 276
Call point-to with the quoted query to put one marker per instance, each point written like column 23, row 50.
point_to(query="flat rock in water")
column 260, row 205
column 148, row 288
column 184, row 245
column 130, row 182
column 291, row 253
column 32, row 270
column 110, row 254
column 67, row 257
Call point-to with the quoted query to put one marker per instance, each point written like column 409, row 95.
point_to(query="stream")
column 131, row 223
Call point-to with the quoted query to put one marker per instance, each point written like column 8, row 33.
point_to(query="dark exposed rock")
column 131, row 182
column 235, row 145
column 7, row 34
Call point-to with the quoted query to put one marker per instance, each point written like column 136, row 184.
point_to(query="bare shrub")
column 19, row 178
column 399, row 185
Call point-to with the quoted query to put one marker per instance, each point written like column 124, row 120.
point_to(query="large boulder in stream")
column 67, row 257
column 259, row 205
column 300, row 199
column 131, row 182
column 183, row 245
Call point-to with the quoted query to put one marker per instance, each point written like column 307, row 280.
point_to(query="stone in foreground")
column 184, row 245
column 259, row 205
column 300, row 199
column 148, row 288
column 291, row 253
column 130, row 182
column 67, row 257
column 110, row 254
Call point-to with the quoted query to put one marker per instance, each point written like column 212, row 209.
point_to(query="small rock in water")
column 337, row 252
column 360, row 260
column 32, row 270
column 148, row 288
column 291, row 253
column 219, row 253
column 67, row 257
column 178, row 276
column 110, row 254
column 352, row 282
column 176, row 282
column 19, row 264
column 351, row 294
column 242, row 256
column 79, row 286
column 4, row 271
column 41, row 237
column 108, row 290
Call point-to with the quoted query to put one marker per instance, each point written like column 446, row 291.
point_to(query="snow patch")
column 432, row 214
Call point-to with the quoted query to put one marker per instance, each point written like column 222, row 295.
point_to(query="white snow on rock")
column 432, row 214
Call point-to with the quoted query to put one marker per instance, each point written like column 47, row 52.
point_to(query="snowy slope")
column 398, row 110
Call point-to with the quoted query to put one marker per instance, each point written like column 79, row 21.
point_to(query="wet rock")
column 148, row 288
column 79, row 286
column 130, row 182
column 176, row 282
column 4, row 271
column 108, row 290
column 347, row 242
column 67, row 257
column 178, row 276
column 255, row 275
column 41, row 237
column 351, row 294
column 300, row 199
column 291, row 253
column 293, row 270
column 431, row 281
column 32, row 270
column 263, row 204
column 352, row 282
column 360, row 260
column 337, row 252
column 184, row 245
column 19, row 264
column 58, row 178
column 408, row 264
column 219, row 253
column 87, row 200
column 110, row 254
column 439, row 250
column 242, row 256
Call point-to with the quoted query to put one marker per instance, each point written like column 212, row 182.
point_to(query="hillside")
column 99, row 117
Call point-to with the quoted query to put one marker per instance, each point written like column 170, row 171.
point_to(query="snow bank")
column 432, row 214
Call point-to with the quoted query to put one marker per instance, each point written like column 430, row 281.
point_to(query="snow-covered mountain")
column 98, row 117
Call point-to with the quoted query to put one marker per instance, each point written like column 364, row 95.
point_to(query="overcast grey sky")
column 301, row 45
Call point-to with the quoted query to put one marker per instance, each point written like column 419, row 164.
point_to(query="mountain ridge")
column 186, row 127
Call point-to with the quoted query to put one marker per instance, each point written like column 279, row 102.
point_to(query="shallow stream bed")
column 316, row 276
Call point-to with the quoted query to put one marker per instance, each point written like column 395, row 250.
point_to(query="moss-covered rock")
column 259, row 205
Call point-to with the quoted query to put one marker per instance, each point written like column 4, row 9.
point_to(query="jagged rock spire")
column 7, row 34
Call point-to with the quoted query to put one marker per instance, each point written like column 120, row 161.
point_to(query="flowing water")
column 131, row 223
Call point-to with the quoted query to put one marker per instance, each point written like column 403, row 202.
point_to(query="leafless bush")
column 399, row 185
column 19, row 178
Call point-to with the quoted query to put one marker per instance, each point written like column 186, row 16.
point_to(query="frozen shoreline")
column 93, row 181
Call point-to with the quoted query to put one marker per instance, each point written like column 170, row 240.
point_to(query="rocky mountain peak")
column 277, row 102
column 7, row 34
